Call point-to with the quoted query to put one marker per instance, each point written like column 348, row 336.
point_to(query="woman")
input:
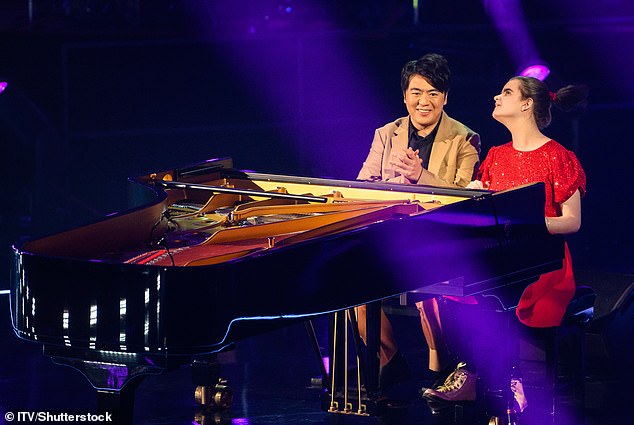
column 523, row 106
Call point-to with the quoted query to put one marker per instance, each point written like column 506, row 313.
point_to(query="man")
column 426, row 147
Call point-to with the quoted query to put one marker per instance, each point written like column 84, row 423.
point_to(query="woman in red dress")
column 523, row 106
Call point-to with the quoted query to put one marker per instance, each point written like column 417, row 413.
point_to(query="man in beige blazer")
column 452, row 163
column 426, row 147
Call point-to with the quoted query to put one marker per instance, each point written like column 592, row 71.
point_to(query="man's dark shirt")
column 423, row 144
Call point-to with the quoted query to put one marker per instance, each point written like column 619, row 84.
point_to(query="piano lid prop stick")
column 248, row 192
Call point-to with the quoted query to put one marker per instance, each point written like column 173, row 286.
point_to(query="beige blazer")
column 453, row 160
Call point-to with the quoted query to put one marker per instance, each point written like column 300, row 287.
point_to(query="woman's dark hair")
column 433, row 67
column 566, row 98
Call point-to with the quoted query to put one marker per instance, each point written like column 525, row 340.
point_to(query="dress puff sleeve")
column 568, row 176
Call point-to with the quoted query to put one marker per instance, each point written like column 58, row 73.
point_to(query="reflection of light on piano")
column 20, row 290
column 25, row 291
column 146, row 325
column 158, row 301
column 5, row 292
column 117, row 375
column 24, row 294
column 284, row 316
column 65, row 319
column 124, row 357
column 122, row 313
column 33, row 312
column 65, row 326
column 93, row 315
column 240, row 421
column 326, row 362
column 464, row 218
column 93, row 325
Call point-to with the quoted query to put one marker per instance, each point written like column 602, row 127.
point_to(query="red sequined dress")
column 544, row 302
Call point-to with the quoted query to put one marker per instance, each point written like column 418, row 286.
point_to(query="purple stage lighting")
column 508, row 17
column 3, row 85
column 537, row 71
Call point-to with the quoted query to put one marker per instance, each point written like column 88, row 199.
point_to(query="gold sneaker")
column 460, row 385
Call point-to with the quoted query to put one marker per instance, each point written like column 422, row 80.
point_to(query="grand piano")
column 215, row 255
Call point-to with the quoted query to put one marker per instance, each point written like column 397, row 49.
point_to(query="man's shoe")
column 460, row 385
column 441, row 377
column 394, row 372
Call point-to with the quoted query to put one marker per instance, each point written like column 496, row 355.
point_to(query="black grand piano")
column 216, row 255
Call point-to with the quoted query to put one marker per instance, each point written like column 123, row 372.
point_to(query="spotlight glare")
column 537, row 71
column 3, row 85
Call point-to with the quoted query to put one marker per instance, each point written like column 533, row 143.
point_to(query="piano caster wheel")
column 218, row 397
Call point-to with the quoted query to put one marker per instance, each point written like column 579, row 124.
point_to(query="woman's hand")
column 476, row 184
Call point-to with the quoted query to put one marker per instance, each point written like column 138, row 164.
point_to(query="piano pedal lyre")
column 342, row 398
column 217, row 397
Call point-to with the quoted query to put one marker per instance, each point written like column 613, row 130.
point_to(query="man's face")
column 424, row 103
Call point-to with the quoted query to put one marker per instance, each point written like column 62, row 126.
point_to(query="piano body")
column 218, row 254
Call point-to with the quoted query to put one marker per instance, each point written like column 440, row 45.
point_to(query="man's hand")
column 401, row 179
column 407, row 163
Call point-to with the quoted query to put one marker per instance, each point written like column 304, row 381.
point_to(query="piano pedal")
column 218, row 397
column 367, row 407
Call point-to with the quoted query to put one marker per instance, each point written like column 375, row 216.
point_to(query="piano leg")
column 501, row 400
column 325, row 378
column 115, row 376
column 119, row 404
column 212, row 392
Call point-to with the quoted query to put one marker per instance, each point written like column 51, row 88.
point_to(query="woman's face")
column 509, row 102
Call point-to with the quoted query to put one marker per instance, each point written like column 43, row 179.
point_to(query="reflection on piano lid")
column 218, row 254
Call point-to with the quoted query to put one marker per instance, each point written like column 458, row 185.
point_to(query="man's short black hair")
column 433, row 67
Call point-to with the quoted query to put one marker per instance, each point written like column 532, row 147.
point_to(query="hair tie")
column 553, row 96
